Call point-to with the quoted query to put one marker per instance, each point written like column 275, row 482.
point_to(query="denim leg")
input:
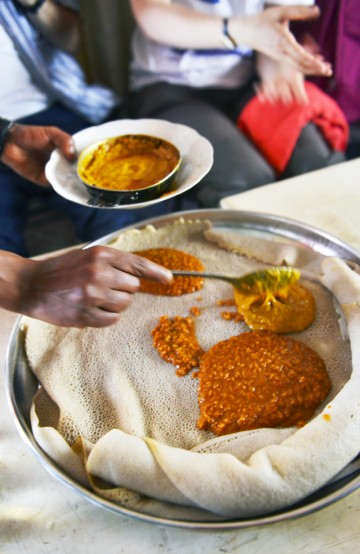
column 13, row 207
column 93, row 223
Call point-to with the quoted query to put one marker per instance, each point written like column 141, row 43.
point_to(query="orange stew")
column 176, row 342
column 172, row 259
column 232, row 316
column 259, row 379
column 128, row 162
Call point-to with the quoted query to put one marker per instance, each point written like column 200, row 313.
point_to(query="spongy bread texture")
column 113, row 378
column 115, row 392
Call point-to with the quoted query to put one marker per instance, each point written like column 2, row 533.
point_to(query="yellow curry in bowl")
column 129, row 168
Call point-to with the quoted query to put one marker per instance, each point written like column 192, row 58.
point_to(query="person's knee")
column 311, row 152
column 299, row 165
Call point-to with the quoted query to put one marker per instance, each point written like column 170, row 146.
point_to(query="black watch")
column 5, row 125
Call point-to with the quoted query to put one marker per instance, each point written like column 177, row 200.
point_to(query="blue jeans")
column 89, row 223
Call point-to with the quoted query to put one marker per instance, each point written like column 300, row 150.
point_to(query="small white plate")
column 196, row 152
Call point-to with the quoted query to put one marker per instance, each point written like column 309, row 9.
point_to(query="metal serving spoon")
column 259, row 281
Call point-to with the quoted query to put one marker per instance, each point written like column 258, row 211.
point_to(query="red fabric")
column 275, row 128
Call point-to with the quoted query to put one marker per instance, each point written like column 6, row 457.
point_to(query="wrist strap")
column 228, row 41
column 5, row 125
column 31, row 9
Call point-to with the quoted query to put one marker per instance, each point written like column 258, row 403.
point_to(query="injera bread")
column 139, row 442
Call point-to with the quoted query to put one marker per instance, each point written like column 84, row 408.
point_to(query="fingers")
column 296, row 54
column 310, row 44
column 68, row 149
column 140, row 267
column 285, row 89
column 303, row 61
column 265, row 93
column 98, row 318
column 286, row 47
column 106, row 312
column 88, row 317
column 298, row 90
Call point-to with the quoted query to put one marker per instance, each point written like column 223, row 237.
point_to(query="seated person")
column 336, row 36
column 44, row 85
column 201, row 74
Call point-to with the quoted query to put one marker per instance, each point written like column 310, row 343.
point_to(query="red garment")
column 275, row 128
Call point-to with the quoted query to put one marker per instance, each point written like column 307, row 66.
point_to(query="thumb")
column 297, row 13
column 64, row 142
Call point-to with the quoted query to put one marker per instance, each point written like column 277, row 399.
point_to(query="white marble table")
column 328, row 198
column 40, row 515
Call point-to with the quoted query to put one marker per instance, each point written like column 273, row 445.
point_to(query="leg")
column 57, row 116
column 237, row 165
column 13, row 207
column 93, row 223
column 311, row 152
column 353, row 149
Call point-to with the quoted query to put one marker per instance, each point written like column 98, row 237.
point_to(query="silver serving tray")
column 21, row 384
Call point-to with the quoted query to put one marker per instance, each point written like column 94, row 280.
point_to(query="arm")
column 80, row 288
column 266, row 32
column 27, row 148
column 58, row 24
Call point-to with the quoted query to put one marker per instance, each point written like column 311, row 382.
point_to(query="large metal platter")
column 21, row 384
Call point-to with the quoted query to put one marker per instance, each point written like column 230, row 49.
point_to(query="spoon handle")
column 260, row 281
column 180, row 272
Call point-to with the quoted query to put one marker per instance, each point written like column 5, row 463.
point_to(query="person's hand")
column 310, row 44
column 279, row 82
column 270, row 35
column 80, row 288
column 28, row 148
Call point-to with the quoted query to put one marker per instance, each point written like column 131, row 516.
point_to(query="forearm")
column 194, row 30
column 14, row 280
column 58, row 24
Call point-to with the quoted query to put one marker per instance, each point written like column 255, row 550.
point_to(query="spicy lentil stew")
column 260, row 379
column 171, row 258
column 254, row 380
